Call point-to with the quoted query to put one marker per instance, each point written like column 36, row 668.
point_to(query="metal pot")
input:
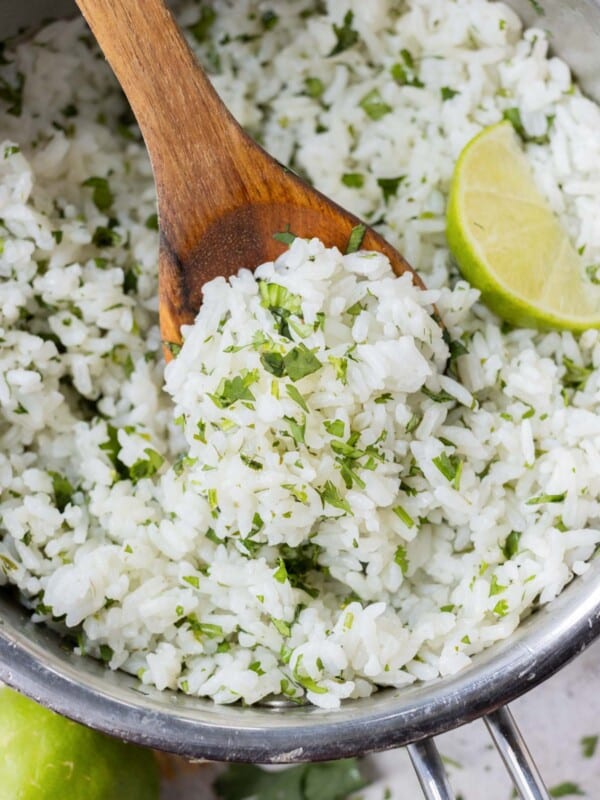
column 35, row 661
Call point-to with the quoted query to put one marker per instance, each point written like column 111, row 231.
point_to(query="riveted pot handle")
column 509, row 743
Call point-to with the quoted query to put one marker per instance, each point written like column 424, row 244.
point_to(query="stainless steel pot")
column 35, row 661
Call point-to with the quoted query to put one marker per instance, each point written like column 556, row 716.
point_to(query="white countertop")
column 553, row 718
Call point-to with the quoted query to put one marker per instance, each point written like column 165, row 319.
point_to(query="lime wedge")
column 47, row 757
column 509, row 244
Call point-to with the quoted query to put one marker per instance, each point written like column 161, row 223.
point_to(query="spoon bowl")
column 221, row 197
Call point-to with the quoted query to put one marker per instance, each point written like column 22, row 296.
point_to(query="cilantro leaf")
column 374, row 105
column 102, row 196
column 345, row 35
column 201, row 28
column 300, row 362
column 448, row 93
column 146, row 467
column 330, row 494
column 230, row 390
column 566, row 789
column 511, row 545
column 356, row 237
column 588, row 745
column 62, row 488
column 296, row 396
column 389, row 186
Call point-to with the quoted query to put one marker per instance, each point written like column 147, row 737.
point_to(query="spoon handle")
column 168, row 93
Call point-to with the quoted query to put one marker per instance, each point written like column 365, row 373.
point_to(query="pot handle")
column 509, row 743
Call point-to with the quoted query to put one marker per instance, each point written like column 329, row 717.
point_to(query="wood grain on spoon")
column 221, row 197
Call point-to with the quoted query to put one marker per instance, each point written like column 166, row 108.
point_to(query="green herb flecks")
column 404, row 516
column 513, row 115
column 346, row 36
column 588, row 745
column 334, row 427
column 295, row 395
column 511, row 545
column 146, row 467
column 62, row 488
column 314, row 87
column 300, row 362
column 389, row 186
column 285, row 237
column 374, row 105
column 102, row 195
column 282, row 304
column 12, row 94
column 401, row 559
column 546, row 498
column 201, row 28
column 575, row 376
column 404, row 72
column 450, row 467
column 230, row 390
column 448, row 93
column 356, row 238
column 172, row 347
column 566, row 789
column 353, row 180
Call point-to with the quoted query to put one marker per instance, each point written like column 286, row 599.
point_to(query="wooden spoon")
column 221, row 197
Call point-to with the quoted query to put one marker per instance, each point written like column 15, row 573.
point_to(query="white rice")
column 209, row 557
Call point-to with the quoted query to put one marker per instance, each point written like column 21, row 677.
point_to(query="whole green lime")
column 44, row 756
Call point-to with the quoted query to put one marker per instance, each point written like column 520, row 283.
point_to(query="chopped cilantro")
column 106, row 653
column 269, row 19
column 539, row 9
column 345, row 35
column 251, row 463
column 450, row 467
column 575, row 376
column 588, row 746
column 546, row 498
column 193, row 580
column 300, row 362
column 273, row 363
column 335, row 427
column 353, row 180
column 495, row 587
column 356, row 238
column 513, row 115
column 314, row 87
column 12, row 94
column 146, row 467
column 280, row 573
column 297, row 429
column 438, row 397
column 11, row 150
column 105, row 237
column 511, row 545
column 172, row 347
column 285, row 237
column 230, row 390
column 182, row 462
column 152, row 222
column 281, row 626
column 401, row 559
column 340, row 365
column 389, row 186
column 566, row 789
column 201, row 28
column 296, row 396
column 404, row 516
column 448, row 93
column 102, row 195
column 374, row 105
column 330, row 494
column 62, row 488
column 501, row 608
column 404, row 76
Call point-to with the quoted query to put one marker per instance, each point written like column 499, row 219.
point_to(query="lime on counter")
column 509, row 244
column 46, row 757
